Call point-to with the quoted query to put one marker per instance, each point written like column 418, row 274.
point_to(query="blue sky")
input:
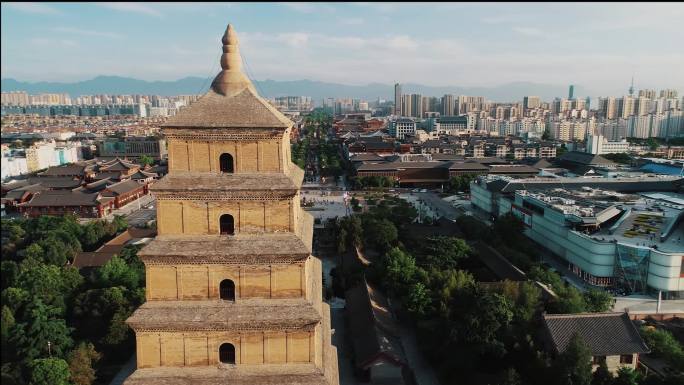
column 598, row 46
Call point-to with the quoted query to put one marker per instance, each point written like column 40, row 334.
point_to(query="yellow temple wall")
column 202, row 282
column 196, row 217
column 201, row 348
column 264, row 155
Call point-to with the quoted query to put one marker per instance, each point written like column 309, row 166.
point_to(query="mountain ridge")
column 112, row 84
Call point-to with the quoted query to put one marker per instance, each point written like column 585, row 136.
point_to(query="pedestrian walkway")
column 421, row 368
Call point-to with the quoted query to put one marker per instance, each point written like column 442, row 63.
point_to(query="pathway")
column 126, row 370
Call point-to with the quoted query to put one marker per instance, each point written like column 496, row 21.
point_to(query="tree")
column 42, row 324
column 81, row 362
column 597, row 300
column 602, row 376
column 478, row 317
column 511, row 377
column 418, row 300
column 34, row 251
column 445, row 252
column 399, row 268
column 573, row 366
column 380, row 234
column 7, row 322
column 547, row 134
column 627, row 376
column 146, row 160
column 663, row 344
column 116, row 272
column 49, row 371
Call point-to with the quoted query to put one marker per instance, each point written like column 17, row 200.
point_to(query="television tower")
column 631, row 87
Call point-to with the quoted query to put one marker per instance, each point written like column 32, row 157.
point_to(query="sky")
column 599, row 46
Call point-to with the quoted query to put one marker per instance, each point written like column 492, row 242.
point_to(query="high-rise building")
column 669, row 94
column 625, row 106
column 571, row 92
column 531, row 102
column 650, row 94
column 233, row 294
column 607, row 107
column 397, row 99
column 15, row 98
column 449, row 104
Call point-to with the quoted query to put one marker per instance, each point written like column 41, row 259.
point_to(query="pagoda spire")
column 231, row 80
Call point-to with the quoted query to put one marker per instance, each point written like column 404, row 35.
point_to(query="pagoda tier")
column 219, row 315
column 241, row 248
column 190, row 184
column 301, row 374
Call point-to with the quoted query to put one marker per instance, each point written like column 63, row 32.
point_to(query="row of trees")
column 485, row 328
column 54, row 320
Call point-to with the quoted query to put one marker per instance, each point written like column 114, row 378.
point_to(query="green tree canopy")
column 81, row 362
column 573, row 366
column 42, row 323
column 49, row 371
column 445, row 252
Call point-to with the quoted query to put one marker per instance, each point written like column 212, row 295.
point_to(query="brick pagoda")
column 233, row 293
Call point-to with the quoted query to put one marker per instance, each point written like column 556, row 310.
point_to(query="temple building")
column 233, row 294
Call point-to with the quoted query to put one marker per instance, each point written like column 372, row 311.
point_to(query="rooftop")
column 232, row 101
column 606, row 334
column 243, row 248
column 263, row 314
column 263, row 374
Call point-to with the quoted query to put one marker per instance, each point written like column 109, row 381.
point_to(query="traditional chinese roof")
column 606, row 334
column 374, row 331
column 248, row 314
column 65, row 198
column 118, row 165
column 240, row 248
column 262, row 374
column 122, row 188
column 232, row 101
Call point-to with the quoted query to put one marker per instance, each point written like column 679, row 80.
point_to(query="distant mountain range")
column 272, row 88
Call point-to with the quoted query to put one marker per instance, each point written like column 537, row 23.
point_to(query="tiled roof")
column 123, row 187
column 606, row 334
column 68, row 170
column 374, row 331
column 262, row 374
column 263, row 314
column 64, row 198
column 585, row 158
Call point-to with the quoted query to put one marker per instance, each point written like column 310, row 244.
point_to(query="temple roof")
column 243, row 248
column 261, row 314
column 263, row 374
column 232, row 101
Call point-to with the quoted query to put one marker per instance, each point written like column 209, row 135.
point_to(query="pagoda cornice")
column 222, row 134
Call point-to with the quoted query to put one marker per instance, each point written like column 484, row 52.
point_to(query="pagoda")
column 233, row 294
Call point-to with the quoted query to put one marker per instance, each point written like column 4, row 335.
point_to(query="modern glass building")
column 632, row 241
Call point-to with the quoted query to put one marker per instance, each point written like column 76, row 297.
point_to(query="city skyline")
column 486, row 44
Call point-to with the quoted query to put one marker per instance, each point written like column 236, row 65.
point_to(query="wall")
column 201, row 348
column 197, row 217
column 201, row 282
column 265, row 155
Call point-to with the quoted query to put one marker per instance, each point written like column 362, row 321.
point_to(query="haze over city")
column 598, row 47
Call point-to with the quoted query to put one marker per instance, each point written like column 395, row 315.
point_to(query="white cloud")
column 527, row 31
column 40, row 8
column 133, row 7
column 87, row 32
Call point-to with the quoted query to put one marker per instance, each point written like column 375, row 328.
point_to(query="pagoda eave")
column 218, row 315
column 268, row 374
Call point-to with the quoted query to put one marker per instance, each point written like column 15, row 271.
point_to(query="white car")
column 423, row 190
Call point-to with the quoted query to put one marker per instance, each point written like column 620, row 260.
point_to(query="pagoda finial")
column 230, row 80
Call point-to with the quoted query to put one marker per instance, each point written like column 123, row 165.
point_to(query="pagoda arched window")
column 227, row 353
column 227, row 290
column 226, row 163
column 227, row 224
